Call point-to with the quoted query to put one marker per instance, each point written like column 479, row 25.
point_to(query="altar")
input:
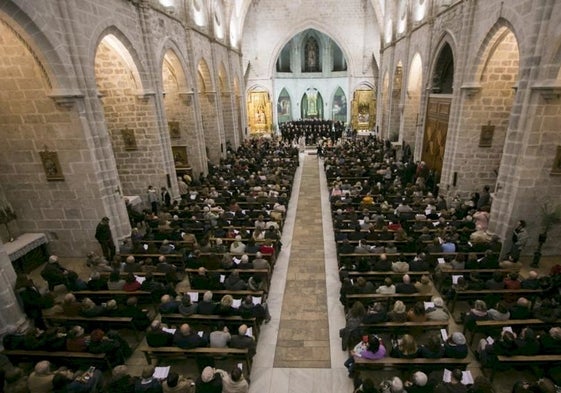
column 28, row 251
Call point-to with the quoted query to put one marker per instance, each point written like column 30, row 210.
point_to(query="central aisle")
column 303, row 338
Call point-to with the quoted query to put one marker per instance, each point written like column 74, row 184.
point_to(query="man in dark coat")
column 105, row 238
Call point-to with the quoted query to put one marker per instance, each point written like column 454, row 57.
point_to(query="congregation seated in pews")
column 61, row 340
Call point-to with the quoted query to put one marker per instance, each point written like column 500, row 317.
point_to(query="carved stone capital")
column 471, row 89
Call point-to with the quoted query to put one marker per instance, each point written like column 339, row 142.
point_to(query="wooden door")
column 436, row 128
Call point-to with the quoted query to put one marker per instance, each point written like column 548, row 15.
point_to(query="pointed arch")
column 412, row 101
column 284, row 106
column 339, row 106
column 443, row 73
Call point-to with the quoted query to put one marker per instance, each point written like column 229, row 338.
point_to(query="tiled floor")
column 300, row 349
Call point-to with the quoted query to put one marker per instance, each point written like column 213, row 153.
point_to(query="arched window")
column 311, row 55
column 443, row 75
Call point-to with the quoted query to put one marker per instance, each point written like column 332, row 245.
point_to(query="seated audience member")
column 83, row 383
column 225, row 307
column 147, row 383
column 41, row 378
column 234, row 282
column 376, row 313
column 187, row 338
column 245, row 264
column 405, row 286
column 70, row 306
column 117, row 349
column 115, row 283
column 433, row 349
column 496, row 282
column 532, row 282
column 510, row 263
column 202, row 279
column 131, row 284
column 424, row 285
column 131, row 266
column 455, row 347
column 521, row 310
column 527, row 343
column 551, row 341
column 139, row 317
column 388, row 288
column 206, row 306
column 370, row 347
column 237, row 247
column 242, row 340
column 400, row 267
column 220, row 337
column 186, row 307
column 547, row 311
column 504, row 345
column 417, row 313
column 96, row 282
column 405, row 347
column 363, row 286
column 259, row 311
column 499, row 313
column 168, row 305
column 438, row 312
column 477, row 313
column 419, row 263
column 418, row 383
column 121, row 381
column 233, row 382
column 76, row 340
column 157, row 337
column 455, row 384
column 382, row 264
column 398, row 313
column 392, row 385
column 73, row 282
column 90, row 310
column 54, row 273
column 209, row 381
column 174, row 383
column 97, row 262
column 16, row 381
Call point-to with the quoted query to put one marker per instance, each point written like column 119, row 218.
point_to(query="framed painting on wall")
column 174, row 131
column 486, row 137
column 129, row 139
column 51, row 165
column 180, row 156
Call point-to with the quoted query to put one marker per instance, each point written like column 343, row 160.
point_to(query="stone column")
column 11, row 314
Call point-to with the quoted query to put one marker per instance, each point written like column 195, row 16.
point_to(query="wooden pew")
column 388, row 298
column 104, row 323
column 478, row 294
column 399, row 328
column 201, row 319
column 412, row 364
column 526, row 361
column 105, row 295
column 59, row 357
column 161, row 353
column 486, row 326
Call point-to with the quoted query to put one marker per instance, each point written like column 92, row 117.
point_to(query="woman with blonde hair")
column 398, row 313
column 406, row 347
column 225, row 307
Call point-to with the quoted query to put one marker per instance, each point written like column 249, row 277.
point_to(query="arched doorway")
column 438, row 112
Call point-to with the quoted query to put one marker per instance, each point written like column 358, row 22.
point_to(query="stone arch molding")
column 487, row 47
column 41, row 47
column 324, row 29
column 186, row 83
column 224, row 79
column 133, row 61
column 446, row 38
column 205, row 72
